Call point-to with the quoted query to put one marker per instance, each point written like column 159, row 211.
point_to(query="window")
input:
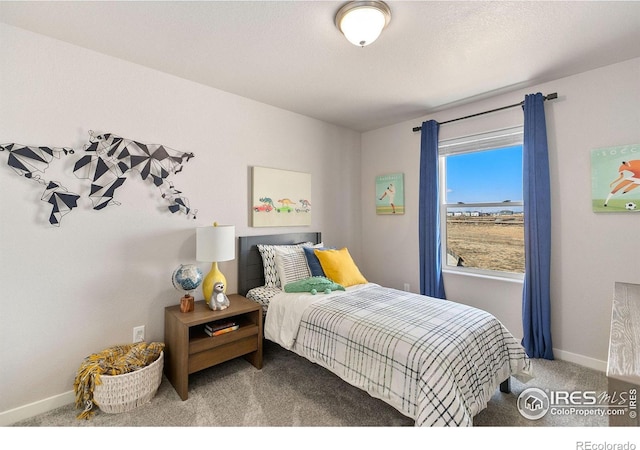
column 482, row 203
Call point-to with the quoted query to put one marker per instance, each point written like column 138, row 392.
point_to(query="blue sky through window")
column 485, row 177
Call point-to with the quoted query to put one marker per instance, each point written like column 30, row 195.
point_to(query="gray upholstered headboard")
column 250, row 269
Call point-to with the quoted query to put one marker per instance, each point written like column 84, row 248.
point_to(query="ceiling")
column 434, row 54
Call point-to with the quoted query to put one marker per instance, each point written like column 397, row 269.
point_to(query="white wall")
column 71, row 291
column 590, row 252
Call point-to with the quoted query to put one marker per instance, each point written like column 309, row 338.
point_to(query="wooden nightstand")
column 189, row 349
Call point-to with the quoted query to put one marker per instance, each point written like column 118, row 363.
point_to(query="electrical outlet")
column 138, row 334
column 407, row 287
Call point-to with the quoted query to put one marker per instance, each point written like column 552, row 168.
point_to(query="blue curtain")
column 431, row 282
column 536, row 304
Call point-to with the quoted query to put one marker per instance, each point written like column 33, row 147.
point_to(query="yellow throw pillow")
column 339, row 267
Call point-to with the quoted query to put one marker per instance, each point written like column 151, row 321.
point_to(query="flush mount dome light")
column 362, row 22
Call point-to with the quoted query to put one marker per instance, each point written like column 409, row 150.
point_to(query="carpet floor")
column 290, row 391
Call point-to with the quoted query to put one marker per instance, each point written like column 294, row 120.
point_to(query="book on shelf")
column 218, row 325
column 221, row 331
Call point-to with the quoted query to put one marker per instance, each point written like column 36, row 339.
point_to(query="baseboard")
column 33, row 409
column 581, row 360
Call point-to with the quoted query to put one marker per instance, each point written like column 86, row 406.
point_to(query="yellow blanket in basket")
column 112, row 361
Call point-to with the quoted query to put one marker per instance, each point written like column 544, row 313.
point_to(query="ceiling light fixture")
column 362, row 22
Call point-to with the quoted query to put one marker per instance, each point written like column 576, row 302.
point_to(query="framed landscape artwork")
column 615, row 179
column 390, row 194
column 280, row 198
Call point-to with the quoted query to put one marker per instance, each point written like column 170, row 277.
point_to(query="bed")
column 436, row 361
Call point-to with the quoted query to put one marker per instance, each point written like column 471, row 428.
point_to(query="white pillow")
column 291, row 265
column 271, row 278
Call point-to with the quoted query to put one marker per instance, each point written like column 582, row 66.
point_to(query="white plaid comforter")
column 436, row 361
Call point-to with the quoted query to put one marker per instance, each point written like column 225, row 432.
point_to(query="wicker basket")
column 121, row 393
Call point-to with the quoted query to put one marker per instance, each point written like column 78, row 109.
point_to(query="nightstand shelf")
column 189, row 349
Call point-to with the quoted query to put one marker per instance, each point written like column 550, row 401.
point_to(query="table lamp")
column 215, row 244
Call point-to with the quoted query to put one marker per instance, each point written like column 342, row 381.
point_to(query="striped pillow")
column 291, row 265
column 268, row 253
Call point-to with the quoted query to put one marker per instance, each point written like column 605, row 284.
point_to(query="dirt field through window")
column 488, row 242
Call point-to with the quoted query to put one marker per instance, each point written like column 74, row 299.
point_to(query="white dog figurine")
column 218, row 300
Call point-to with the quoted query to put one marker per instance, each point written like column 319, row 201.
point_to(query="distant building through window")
column 482, row 203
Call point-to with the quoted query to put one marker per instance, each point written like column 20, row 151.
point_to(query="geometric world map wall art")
column 107, row 162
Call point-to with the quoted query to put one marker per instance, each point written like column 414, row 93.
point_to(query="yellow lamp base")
column 214, row 276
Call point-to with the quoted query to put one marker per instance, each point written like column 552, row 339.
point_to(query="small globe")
column 187, row 278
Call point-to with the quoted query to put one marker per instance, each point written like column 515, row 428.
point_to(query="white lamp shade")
column 362, row 22
column 216, row 243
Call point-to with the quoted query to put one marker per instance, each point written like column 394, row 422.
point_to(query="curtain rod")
column 551, row 96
